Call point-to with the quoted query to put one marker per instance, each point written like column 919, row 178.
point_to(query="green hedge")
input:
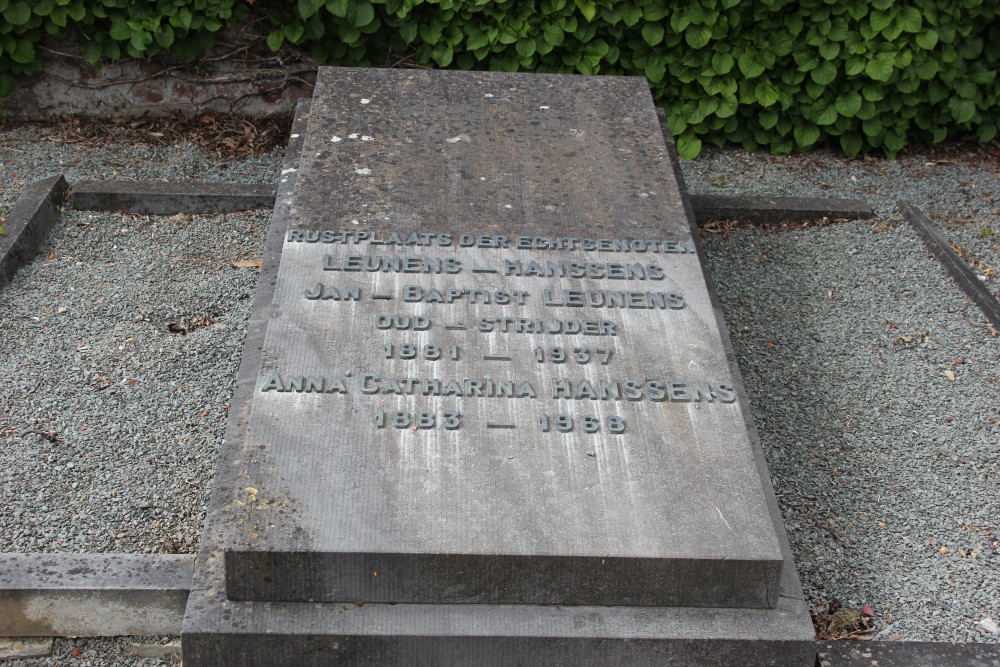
column 776, row 74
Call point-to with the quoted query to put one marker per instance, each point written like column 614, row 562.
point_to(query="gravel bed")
column 120, row 345
column 875, row 386
column 108, row 652
column 961, row 196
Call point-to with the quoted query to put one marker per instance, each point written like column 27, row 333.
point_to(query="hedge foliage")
column 776, row 74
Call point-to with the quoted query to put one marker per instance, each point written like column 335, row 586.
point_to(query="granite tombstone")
column 493, row 389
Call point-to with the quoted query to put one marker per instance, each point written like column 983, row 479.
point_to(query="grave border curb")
column 28, row 223
column 203, row 197
column 951, row 262
column 93, row 595
column 171, row 198
column 848, row 653
column 771, row 210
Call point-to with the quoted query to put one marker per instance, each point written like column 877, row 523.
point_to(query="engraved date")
column 417, row 420
column 580, row 355
column 590, row 424
column 429, row 352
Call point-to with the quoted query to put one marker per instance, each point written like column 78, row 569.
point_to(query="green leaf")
column 24, row 52
column 60, row 17
column 961, row 110
column 431, row 33
column 7, row 84
column 872, row 92
column 848, row 104
column 824, row 74
column 293, row 32
column 880, row 20
column 360, row 13
column 92, row 52
column 806, row 134
column 656, row 11
column 707, row 106
column 698, row 36
column 182, row 19
column 828, row 116
column 727, row 107
column 892, row 143
column 766, row 93
column 442, row 53
column 722, row 63
column 120, row 31
column 655, row 69
column 880, row 67
column 138, row 40
column 829, row 50
column 679, row 21
column 872, row 127
column 165, row 36
column 631, row 14
column 966, row 89
column 77, row 11
column 652, row 33
column 587, row 8
column 927, row 39
column 854, row 65
column 688, row 146
column 309, row 7
column 553, row 35
column 767, row 119
column 525, row 48
column 111, row 50
column 337, row 7
column 349, row 34
column 275, row 40
column 851, row 143
column 408, row 32
column 987, row 132
column 910, row 19
column 749, row 64
column 18, row 13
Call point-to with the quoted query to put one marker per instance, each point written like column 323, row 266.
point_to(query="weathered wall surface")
column 234, row 77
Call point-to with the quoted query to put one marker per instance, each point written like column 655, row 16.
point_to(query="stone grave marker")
column 492, row 386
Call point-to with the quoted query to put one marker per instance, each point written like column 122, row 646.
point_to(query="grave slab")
column 218, row 630
column 505, row 384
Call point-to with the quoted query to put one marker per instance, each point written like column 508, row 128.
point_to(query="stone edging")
column 28, row 223
column 764, row 210
column 93, row 595
column 162, row 198
column 952, row 264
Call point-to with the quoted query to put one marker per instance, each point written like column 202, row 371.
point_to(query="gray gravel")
column 884, row 465
column 875, row 387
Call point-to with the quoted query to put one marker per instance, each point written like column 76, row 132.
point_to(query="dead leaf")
column 950, row 375
column 247, row 263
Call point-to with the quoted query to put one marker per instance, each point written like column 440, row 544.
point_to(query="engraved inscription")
column 503, row 325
